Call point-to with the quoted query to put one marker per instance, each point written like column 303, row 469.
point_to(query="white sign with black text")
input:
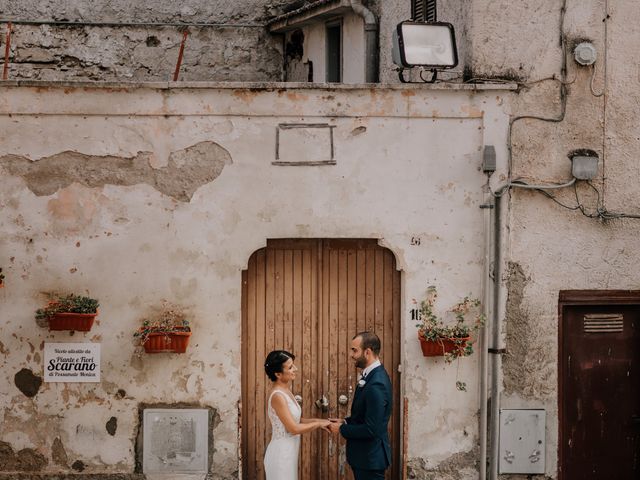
column 72, row 362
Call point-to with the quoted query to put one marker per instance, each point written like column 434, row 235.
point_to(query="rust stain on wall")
column 186, row 171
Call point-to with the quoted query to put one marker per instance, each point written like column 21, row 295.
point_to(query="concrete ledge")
column 259, row 86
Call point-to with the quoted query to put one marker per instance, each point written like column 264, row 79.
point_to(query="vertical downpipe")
column 371, row 40
column 487, row 206
column 496, row 344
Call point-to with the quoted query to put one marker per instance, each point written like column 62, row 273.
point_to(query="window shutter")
column 423, row 10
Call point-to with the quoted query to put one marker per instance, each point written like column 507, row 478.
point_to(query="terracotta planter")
column 174, row 342
column 81, row 322
column 437, row 348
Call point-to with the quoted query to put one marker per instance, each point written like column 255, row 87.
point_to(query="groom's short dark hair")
column 369, row 340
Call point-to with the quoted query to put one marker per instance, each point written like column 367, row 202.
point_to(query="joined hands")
column 334, row 425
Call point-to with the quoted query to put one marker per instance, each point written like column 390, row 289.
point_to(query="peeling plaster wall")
column 102, row 223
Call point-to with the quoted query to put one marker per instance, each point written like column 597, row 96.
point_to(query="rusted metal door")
column 600, row 391
column 310, row 297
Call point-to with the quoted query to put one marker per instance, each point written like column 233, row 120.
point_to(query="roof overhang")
column 308, row 14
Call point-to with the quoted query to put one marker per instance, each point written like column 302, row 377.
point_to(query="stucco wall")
column 133, row 243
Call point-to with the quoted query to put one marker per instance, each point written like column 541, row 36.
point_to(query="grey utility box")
column 522, row 445
column 175, row 441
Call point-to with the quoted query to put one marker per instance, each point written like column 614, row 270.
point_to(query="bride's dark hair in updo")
column 275, row 360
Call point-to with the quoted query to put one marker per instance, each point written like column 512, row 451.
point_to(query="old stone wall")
column 103, row 43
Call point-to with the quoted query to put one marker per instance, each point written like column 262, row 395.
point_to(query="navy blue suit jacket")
column 368, row 446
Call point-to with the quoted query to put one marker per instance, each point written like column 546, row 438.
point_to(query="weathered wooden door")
column 600, row 390
column 311, row 297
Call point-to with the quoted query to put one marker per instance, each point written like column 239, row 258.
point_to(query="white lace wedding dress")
column 281, row 457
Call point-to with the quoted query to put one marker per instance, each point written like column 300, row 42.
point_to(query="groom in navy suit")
column 368, row 448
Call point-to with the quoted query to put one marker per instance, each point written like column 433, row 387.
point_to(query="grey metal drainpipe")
column 371, row 40
column 487, row 297
column 496, row 345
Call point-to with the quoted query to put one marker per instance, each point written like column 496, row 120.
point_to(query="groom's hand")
column 334, row 426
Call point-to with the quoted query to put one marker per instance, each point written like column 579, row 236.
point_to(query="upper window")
column 334, row 51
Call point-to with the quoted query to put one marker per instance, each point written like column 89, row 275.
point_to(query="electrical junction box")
column 522, row 445
column 584, row 167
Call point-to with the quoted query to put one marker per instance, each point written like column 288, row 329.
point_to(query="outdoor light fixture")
column 584, row 164
column 430, row 45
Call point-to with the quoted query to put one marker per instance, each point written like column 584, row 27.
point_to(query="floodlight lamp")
column 430, row 45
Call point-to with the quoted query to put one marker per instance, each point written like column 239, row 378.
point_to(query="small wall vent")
column 603, row 323
column 423, row 10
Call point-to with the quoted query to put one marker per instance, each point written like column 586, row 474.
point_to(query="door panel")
column 310, row 297
column 600, row 400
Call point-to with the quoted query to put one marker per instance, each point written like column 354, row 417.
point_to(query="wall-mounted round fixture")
column 585, row 53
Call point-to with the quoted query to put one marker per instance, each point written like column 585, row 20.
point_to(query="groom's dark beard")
column 361, row 362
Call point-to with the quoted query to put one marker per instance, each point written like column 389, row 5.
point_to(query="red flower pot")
column 81, row 322
column 437, row 348
column 173, row 342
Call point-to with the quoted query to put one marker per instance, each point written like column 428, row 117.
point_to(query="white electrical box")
column 522, row 445
column 175, row 440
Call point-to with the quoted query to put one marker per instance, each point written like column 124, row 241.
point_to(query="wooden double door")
column 310, row 297
column 600, row 385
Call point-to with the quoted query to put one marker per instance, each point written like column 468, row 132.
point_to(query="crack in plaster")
column 186, row 171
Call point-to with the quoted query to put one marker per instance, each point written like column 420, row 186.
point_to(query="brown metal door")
column 600, row 392
column 310, row 297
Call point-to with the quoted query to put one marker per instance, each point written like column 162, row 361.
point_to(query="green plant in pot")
column 166, row 331
column 69, row 312
column 450, row 340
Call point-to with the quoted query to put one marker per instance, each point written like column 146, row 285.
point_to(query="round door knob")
column 298, row 399
column 343, row 399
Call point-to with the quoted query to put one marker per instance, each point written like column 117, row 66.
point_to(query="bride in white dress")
column 287, row 424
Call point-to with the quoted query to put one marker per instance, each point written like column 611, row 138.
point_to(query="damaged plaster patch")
column 58, row 453
column 528, row 367
column 457, row 467
column 112, row 426
column 25, row 460
column 27, row 382
column 186, row 171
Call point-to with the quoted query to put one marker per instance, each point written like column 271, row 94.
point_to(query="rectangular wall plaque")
column 72, row 362
column 175, row 440
column 304, row 144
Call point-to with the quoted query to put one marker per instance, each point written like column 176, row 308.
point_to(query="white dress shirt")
column 366, row 371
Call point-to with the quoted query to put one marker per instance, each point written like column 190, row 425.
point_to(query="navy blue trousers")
column 368, row 474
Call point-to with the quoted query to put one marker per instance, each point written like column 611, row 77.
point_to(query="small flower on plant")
column 433, row 328
column 70, row 303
